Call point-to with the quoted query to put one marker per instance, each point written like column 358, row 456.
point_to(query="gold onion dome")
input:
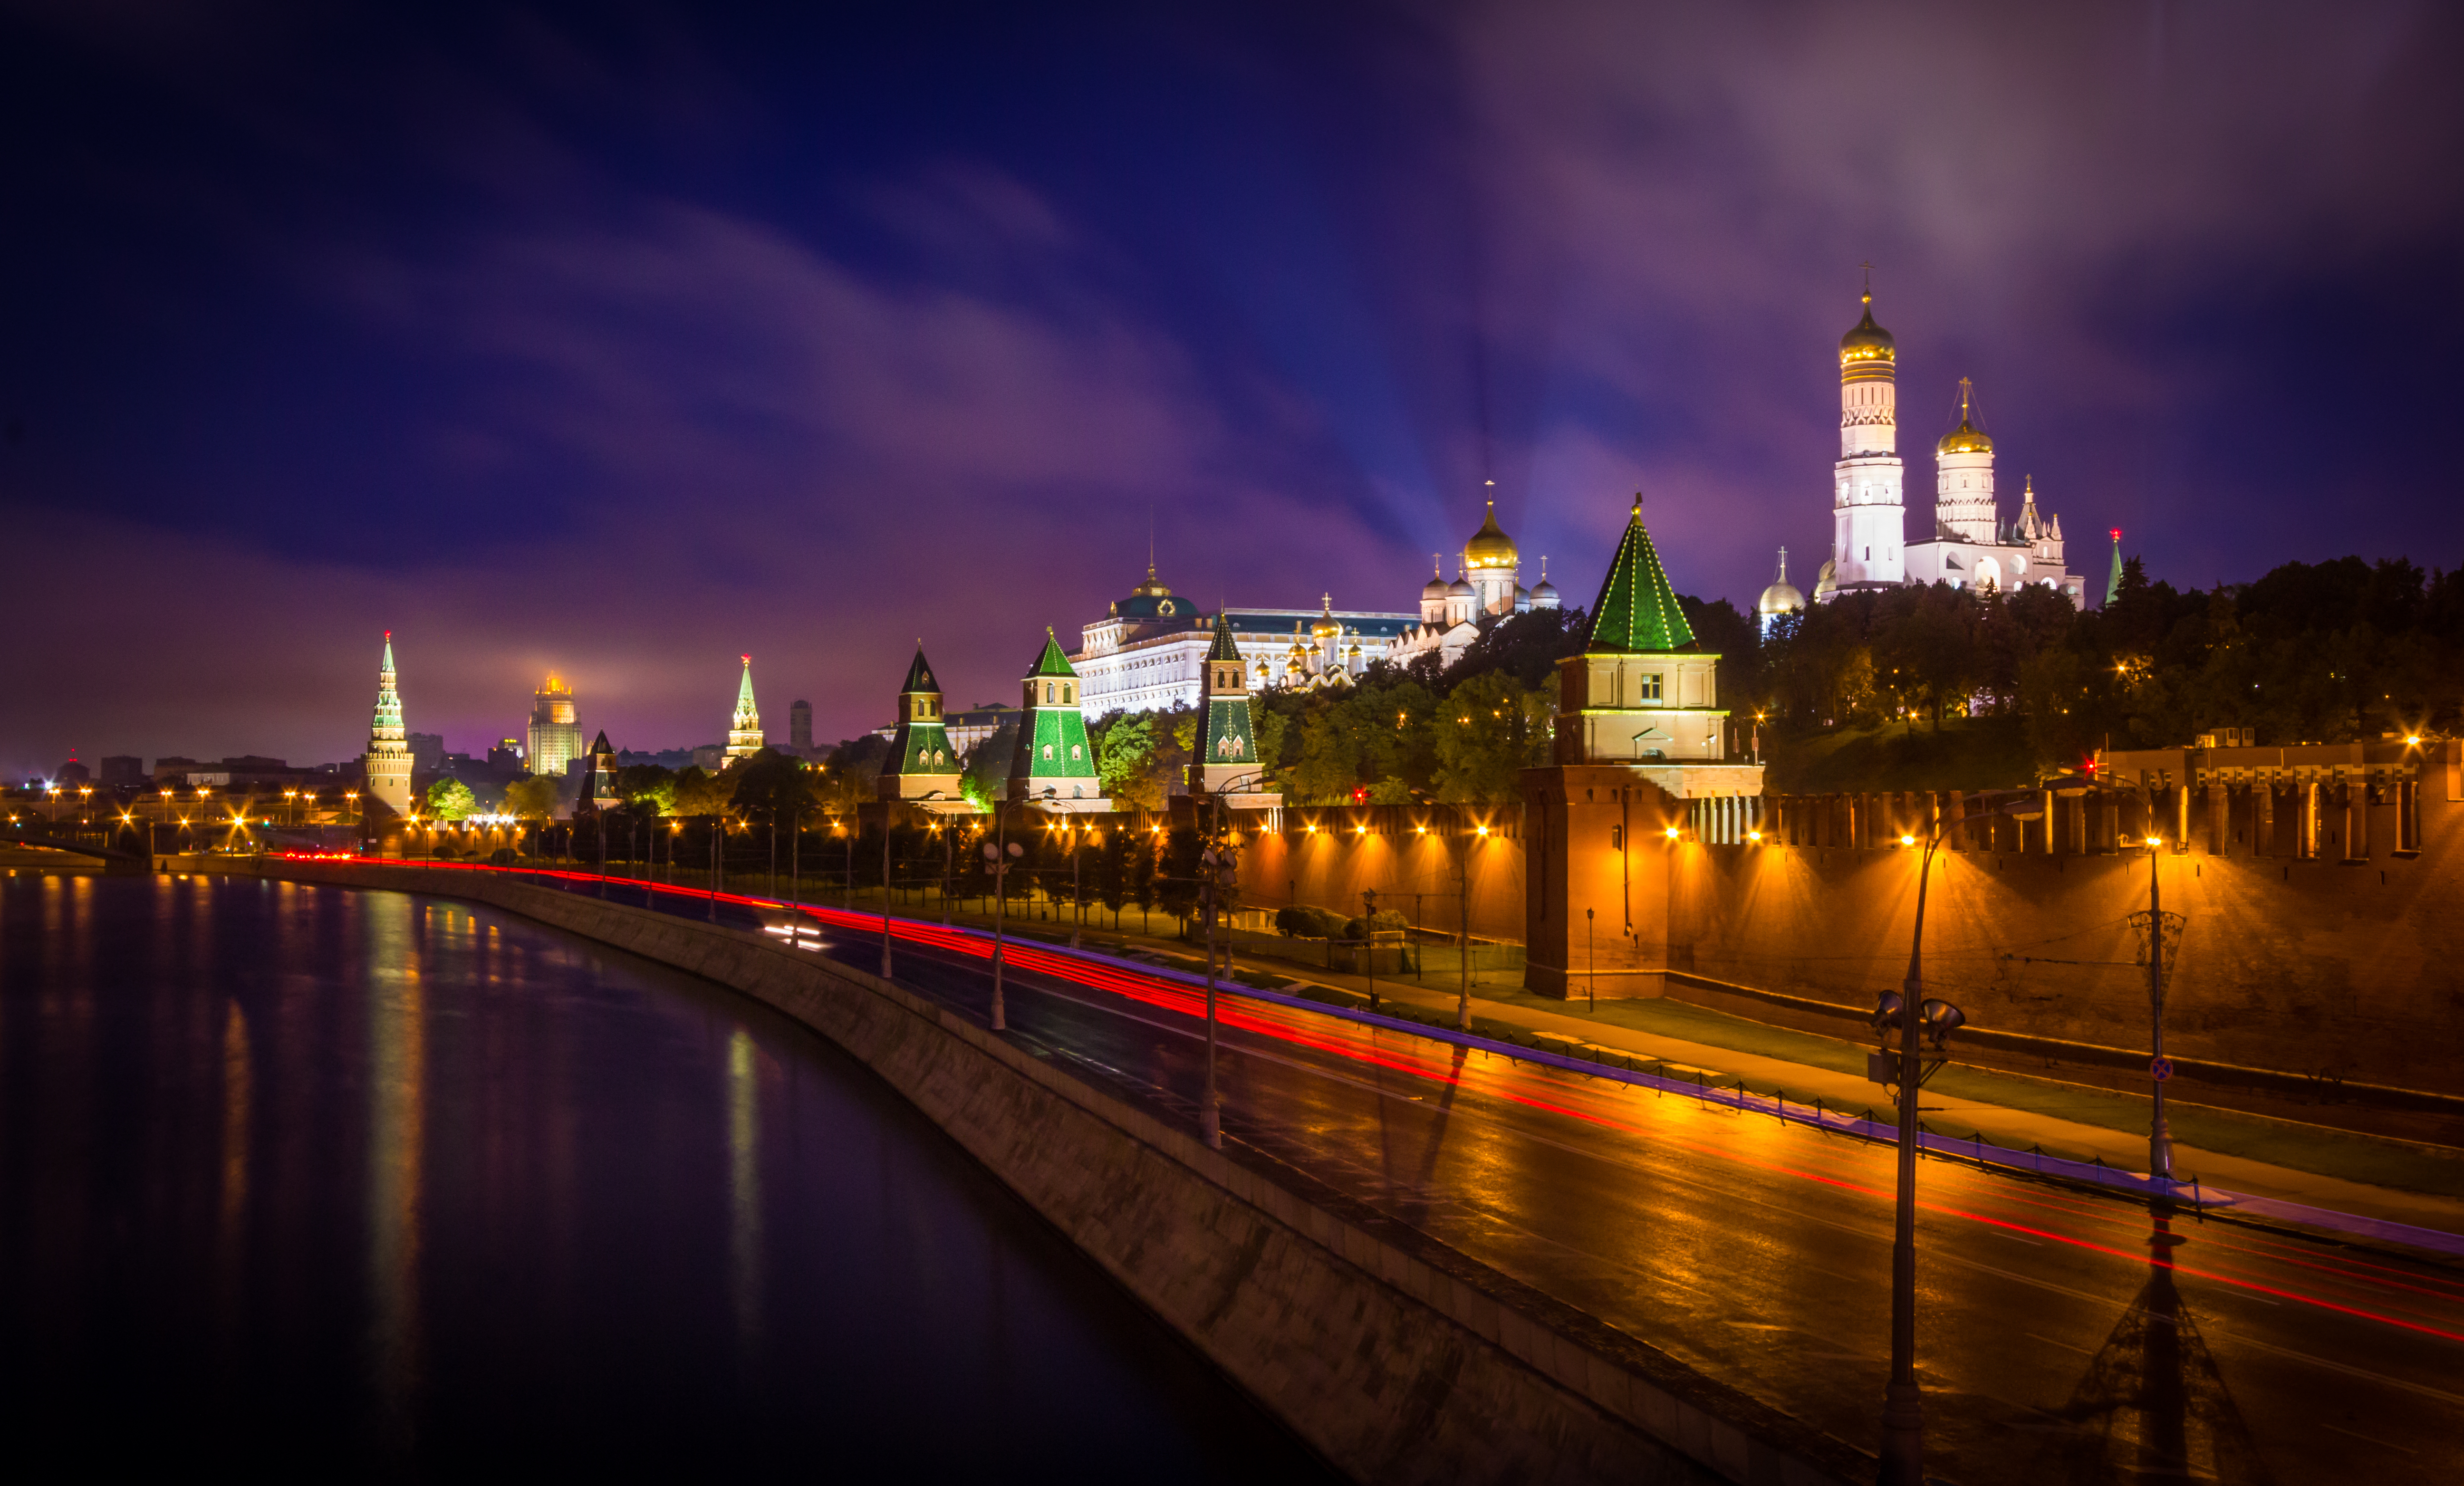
column 1489, row 547
column 1867, row 341
column 1152, row 588
column 1966, row 438
column 1326, row 626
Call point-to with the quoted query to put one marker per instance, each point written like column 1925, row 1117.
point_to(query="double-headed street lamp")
column 1913, row 1016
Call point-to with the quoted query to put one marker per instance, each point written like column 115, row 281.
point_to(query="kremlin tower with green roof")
column 387, row 760
column 922, row 763
column 1054, row 765
column 1228, row 761
column 1642, row 691
column 1642, row 779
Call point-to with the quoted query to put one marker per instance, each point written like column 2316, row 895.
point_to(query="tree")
column 695, row 794
column 772, row 786
column 451, row 799
column 531, row 799
column 650, row 790
column 1125, row 756
column 1497, row 728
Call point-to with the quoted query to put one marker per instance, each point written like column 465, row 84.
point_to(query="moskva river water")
column 305, row 1179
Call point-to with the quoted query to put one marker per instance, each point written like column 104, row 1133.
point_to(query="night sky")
column 624, row 339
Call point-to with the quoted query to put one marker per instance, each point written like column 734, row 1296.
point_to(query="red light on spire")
column 389, row 637
column 2117, row 534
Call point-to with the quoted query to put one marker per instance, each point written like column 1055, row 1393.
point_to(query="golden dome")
column 1966, row 438
column 1152, row 588
column 1326, row 626
column 1867, row 341
column 1489, row 547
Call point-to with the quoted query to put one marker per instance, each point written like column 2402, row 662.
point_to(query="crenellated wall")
column 2323, row 934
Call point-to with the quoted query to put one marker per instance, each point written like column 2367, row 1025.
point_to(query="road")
column 2064, row 1335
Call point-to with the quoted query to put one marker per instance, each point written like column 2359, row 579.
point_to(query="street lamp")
column 2160, row 1135
column 1902, row 1400
column 999, row 852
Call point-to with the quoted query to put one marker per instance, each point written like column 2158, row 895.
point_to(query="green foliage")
column 772, row 786
column 1125, row 751
column 1526, row 646
column 2311, row 652
column 649, row 789
column 694, row 794
column 1305, row 921
column 1495, row 727
column 531, row 799
column 451, row 799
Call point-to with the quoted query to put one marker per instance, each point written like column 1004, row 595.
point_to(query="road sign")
column 2161, row 1069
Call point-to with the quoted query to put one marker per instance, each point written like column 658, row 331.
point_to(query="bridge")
column 115, row 843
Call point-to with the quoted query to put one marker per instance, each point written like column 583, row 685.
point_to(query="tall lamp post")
column 1910, row 1014
column 885, row 889
column 1217, row 867
column 2160, row 1134
column 1001, row 852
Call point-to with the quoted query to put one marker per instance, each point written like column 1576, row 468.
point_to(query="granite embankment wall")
column 1397, row 1358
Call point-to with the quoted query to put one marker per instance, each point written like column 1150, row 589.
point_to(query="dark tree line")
column 2324, row 652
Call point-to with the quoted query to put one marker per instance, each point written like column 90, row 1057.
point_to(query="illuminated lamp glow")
column 1672, row 833
column 1907, row 841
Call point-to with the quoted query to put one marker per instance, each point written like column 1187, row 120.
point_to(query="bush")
column 1302, row 921
column 1388, row 921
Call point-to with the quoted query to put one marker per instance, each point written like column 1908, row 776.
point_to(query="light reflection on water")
column 396, row 1187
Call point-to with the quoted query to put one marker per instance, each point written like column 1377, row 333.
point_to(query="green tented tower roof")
column 1636, row 610
column 919, row 674
column 1223, row 648
column 1051, row 663
column 2112, row 584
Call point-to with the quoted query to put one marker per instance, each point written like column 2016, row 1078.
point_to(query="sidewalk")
column 2371, row 1177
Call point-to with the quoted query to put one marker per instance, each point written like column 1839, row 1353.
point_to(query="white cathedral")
column 1969, row 547
column 1148, row 652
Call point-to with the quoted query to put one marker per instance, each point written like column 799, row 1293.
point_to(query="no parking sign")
column 2161, row 1069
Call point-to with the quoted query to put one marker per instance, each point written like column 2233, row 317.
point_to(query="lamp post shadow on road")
column 1913, row 1017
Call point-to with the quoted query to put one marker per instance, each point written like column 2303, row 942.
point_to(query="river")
column 305, row 1178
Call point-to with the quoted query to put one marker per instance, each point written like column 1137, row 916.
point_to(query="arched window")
column 1047, row 752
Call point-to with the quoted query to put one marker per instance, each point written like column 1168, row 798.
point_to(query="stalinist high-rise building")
column 555, row 739
column 387, row 760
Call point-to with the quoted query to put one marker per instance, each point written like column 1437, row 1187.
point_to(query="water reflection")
column 239, row 1095
column 352, row 1184
column 744, row 1191
column 397, row 1126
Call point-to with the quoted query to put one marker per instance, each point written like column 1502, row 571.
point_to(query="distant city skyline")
column 789, row 333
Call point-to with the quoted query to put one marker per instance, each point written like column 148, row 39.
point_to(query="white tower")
column 1866, row 501
column 744, row 724
column 1963, row 482
column 387, row 759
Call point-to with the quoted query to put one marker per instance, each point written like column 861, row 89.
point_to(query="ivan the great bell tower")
column 1866, row 503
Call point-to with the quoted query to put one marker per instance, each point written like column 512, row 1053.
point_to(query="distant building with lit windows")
column 555, row 736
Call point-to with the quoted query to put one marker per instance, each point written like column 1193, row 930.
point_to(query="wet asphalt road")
column 2064, row 1335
